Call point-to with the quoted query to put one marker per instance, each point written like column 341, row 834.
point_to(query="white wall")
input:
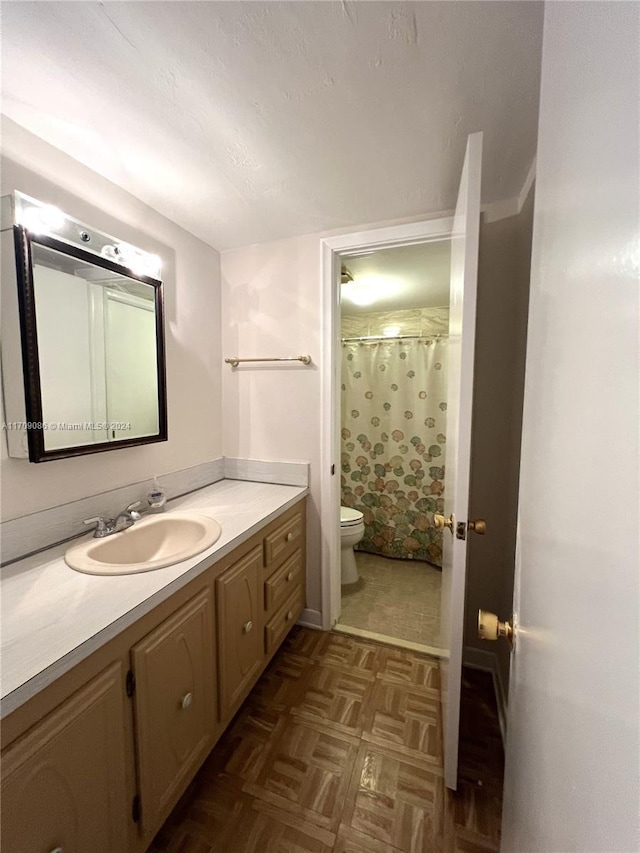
column 191, row 275
column 572, row 781
column 271, row 306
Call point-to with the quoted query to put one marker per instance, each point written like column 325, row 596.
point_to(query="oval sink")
column 152, row 543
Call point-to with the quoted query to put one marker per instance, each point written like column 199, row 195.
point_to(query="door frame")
column 331, row 248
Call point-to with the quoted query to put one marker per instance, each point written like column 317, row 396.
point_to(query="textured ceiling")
column 401, row 278
column 252, row 121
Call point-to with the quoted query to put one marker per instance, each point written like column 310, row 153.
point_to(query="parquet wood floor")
column 338, row 749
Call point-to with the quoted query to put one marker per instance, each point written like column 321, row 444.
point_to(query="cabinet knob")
column 290, row 616
column 57, row 850
column 247, row 626
column 290, row 576
column 187, row 699
column 289, row 536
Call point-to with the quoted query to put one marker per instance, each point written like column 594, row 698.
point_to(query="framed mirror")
column 92, row 341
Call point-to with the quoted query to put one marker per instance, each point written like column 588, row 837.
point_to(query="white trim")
column 510, row 206
column 499, row 210
column 390, row 641
column 310, row 619
column 425, row 231
column 488, row 662
column 528, row 183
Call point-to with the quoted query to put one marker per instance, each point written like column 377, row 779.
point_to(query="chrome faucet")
column 107, row 526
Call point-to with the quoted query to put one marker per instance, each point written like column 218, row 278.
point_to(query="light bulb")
column 41, row 220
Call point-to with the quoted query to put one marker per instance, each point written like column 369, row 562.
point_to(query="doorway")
column 337, row 251
column 394, row 325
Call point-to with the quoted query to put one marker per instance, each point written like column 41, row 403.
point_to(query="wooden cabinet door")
column 175, row 705
column 239, row 601
column 64, row 783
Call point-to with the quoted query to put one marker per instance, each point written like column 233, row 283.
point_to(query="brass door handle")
column 491, row 628
column 441, row 521
column 478, row 526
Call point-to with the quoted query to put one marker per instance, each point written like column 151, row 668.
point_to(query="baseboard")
column 488, row 662
column 311, row 619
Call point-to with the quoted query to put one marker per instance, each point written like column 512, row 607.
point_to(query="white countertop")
column 53, row 617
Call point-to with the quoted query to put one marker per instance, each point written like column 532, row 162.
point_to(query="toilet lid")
column 349, row 517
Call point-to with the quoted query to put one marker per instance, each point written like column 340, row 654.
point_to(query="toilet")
column 351, row 532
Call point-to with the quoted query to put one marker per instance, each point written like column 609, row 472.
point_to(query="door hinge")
column 130, row 683
column 333, row 470
column 461, row 530
column 135, row 809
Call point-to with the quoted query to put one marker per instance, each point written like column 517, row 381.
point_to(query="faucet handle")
column 132, row 509
column 102, row 525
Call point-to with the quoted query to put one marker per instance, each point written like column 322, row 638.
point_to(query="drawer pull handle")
column 289, row 536
column 290, row 616
column 187, row 699
column 290, row 576
column 247, row 626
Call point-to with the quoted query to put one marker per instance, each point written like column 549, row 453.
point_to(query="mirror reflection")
column 97, row 352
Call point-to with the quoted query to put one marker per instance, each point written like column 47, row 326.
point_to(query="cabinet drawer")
column 282, row 541
column 278, row 626
column 283, row 581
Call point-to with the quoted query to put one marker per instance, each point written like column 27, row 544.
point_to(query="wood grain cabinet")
column 174, row 704
column 96, row 761
column 64, row 782
column 240, row 649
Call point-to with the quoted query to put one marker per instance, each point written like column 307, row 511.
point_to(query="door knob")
column 441, row 521
column 478, row 526
column 491, row 628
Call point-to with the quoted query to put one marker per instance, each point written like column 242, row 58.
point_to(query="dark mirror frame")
column 30, row 358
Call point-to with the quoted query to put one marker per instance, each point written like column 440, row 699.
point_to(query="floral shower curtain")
column 393, row 441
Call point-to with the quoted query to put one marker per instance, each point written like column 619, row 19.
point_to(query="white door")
column 572, row 780
column 462, row 329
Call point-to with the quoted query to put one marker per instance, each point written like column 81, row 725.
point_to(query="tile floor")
column 338, row 750
column 396, row 598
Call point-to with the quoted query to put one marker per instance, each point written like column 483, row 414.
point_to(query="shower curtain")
column 393, row 443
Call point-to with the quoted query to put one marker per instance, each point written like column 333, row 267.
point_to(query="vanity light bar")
column 45, row 219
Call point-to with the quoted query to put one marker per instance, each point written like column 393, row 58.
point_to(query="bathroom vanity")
column 99, row 742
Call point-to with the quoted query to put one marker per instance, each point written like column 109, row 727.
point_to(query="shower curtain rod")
column 393, row 337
